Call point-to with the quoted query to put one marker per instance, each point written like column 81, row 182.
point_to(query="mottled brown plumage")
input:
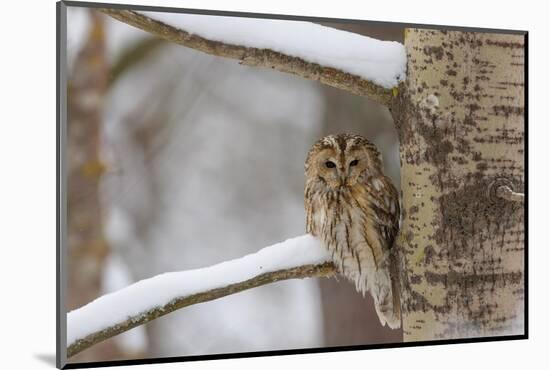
column 354, row 209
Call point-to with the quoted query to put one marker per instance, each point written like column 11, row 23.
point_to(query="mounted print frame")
column 236, row 184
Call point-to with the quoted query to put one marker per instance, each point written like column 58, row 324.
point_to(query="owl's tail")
column 388, row 300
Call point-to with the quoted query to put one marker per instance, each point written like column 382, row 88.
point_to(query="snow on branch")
column 345, row 60
column 149, row 299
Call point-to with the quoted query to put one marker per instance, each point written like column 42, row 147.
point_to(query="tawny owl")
column 354, row 209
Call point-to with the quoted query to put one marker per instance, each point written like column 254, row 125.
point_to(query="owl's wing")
column 388, row 214
column 386, row 209
column 308, row 203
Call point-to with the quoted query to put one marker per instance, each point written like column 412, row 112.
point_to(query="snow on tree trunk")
column 460, row 117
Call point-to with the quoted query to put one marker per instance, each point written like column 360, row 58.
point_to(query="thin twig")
column 256, row 57
column 323, row 270
column 504, row 192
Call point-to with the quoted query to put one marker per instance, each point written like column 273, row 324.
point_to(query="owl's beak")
column 343, row 181
column 342, row 177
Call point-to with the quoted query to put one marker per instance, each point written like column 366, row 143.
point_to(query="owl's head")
column 339, row 160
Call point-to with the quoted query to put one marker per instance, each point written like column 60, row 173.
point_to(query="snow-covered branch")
column 345, row 60
column 149, row 299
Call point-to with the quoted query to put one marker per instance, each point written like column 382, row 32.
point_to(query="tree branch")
column 257, row 57
column 508, row 194
column 323, row 270
column 146, row 300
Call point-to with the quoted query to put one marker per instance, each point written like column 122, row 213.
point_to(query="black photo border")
column 61, row 187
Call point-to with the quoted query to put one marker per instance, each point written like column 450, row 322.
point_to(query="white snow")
column 157, row 291
column 382, row 62
column 117, row 275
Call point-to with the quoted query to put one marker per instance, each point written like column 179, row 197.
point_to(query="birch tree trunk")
column 460, row 118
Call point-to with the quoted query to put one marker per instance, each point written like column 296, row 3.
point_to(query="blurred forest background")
column 179, row 160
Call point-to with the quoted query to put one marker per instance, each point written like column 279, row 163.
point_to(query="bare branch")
column 256, row 57
column 503, row 188
column 321, row 270
column 508, row 194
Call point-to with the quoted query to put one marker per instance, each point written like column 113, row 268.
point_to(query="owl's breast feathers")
column 358, row 225
column 363, row 215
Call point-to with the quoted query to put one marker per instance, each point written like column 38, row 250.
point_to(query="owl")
column 353, row 208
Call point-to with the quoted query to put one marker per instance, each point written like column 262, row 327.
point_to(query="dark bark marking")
column 504, row 44
column 436, row 51
column 469, row 206
column 507, row 110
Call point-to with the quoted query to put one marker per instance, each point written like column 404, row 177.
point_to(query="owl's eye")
column 353, row 163
column 330, row 164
